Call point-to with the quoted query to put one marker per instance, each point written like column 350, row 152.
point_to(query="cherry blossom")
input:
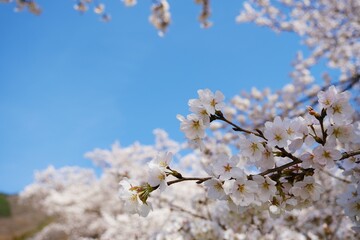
column 276, row 133
column 307, row 188
column 266, row 187
column 225, row 167
column 252, row 148
column 193, row 126
column 131, row 196
column 215, row 189
column 325, row 155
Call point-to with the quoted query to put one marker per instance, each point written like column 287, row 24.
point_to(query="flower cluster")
column 135, row 197
column 160, row 16
column 276, row 166
column 256, row 192
column 204, row 109
column 82, row 6
column 350, row 201
column 31, row 5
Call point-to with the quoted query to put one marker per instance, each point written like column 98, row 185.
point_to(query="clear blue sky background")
column 70, row 83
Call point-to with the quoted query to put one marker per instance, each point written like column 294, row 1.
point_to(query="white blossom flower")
column 130, row 195
column 241, row 190
column 193, row 126
column 251, row 147
column 162, row 160
column 197, row 107
column 157, row 177
column 327, row 98
column 211, row 102
column 267, row 160
column 340, row 111
column 157, row 170
column 215, row 189
column 266, row 187
column 306, row 189
column 225, row 167
column 300, row 134
column 276, row 133
column 344, row 133
column 326, row 155
column 308, row 160
column 294, row 128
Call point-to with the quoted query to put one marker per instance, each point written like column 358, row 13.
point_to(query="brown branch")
column 199, row 180
column 349, row 154
column 283, row 153
column 280, row 168
column 238, row 128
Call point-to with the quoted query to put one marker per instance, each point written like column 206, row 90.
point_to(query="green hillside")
column 5, row 209
column 18, row 219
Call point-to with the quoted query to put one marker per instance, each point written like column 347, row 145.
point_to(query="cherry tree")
column 264, row 165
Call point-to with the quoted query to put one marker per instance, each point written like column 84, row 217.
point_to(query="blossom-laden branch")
column 281, row 138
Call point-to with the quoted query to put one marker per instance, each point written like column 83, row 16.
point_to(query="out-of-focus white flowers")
column 350, row 201
column 81, row 7
column 31, row 5
column 160, row 16
column 99, row 9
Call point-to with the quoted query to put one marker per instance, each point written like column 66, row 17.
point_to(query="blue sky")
column 70, row 83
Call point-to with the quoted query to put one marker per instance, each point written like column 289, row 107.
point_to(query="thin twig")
column 199, row 180
column 280, row 168
column 175, row 207
column 334, row 176
column 349, row 154
column 238, row 128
